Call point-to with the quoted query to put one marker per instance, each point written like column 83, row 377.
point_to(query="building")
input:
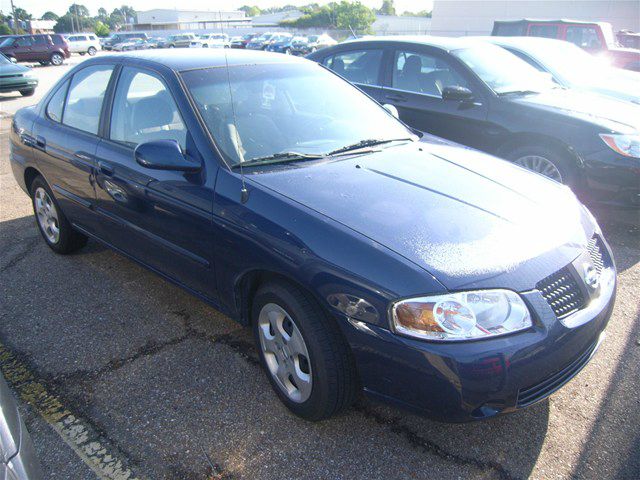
column 40, row 26
column 467, row 17
column 399, row 25
column 175, row 20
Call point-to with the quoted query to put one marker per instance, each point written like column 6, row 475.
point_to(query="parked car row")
column 41, row 48
column 287, row 43
column 478, row 94
column 366, row 255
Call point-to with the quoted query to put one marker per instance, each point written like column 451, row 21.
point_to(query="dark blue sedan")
column 365, row 256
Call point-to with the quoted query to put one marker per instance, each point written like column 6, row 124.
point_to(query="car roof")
column 445, row 43
column 522, row 42
column 543, row 20
column 190, row 59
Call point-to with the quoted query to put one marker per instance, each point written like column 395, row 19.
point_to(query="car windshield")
column 572, row 63
column 7, row 41
column 503, row 72
column 283, row 108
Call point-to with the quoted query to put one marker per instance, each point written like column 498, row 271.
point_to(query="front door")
column 160, row 217
column 416, row 82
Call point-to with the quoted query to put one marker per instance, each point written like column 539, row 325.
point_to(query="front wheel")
column 57, row 59
column 53, row 225
column 81, row 54
column 28, row 92
column 92, row 51
column 303, row 353
column 552, row 163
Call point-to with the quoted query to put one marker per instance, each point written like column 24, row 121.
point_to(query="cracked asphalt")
column 175, row 387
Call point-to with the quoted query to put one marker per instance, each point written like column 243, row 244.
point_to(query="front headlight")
column 624, row 144
column 461, row 316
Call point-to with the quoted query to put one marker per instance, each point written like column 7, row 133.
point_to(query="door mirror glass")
column 457, row 93
column 391, row 109
column 164, row 155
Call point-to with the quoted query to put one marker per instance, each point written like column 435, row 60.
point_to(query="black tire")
column 334, row 385
column 28, row 92
column 81, row 54
column 70, row 240
column 57, row 59
column 561, row 160
column 92, row 51
column 44, row 63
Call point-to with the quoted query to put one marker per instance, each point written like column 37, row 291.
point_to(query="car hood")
column 469, row 219
column 12, row 69
column 595, row 108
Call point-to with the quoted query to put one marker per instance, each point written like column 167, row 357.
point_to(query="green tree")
column 102, row 14
column 70, row 23
column 422, row 13
column 250, row 11
column 101, row 29
column 388, row 8
column 354, row 15
column 5, row 29
column 78, row 10
column 50, row 16
column 22, row 14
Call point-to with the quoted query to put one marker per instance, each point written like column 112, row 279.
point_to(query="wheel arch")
column 30, row 174
column 533, row 139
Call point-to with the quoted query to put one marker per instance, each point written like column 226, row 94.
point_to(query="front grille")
column 535, row 393
column 596, row 249
column 562, row 293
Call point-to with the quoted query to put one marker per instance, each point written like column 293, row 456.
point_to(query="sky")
column 38, row 7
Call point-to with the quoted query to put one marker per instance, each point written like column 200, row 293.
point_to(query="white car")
column 211, row 40
column 83, row 43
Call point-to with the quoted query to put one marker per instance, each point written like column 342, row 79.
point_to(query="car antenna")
column 244, row 193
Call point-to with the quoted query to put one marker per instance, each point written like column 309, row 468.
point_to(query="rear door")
column 361, row 66
column 40, row 47
column 414, row 84
column 66, row 138
column 160, row 217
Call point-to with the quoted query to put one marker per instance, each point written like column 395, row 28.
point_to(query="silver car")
column 17, row 456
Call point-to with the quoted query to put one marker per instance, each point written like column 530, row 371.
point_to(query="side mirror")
column 164, row 155
column 391, row 109
column 457, row 94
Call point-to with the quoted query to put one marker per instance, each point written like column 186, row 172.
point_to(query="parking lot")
column 123, row 375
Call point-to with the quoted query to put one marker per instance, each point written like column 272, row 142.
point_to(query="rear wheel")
column 92, row 51
column 53, row 225
column 43, row 63
column 27, row 92
column 57, row 59
column 81, row 54
column 303, row 353
column 287, row 51
column 550, row 162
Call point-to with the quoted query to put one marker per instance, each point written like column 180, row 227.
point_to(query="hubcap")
column 540, row 165
column 56, row 59
column 47, row 215
column 285, row 352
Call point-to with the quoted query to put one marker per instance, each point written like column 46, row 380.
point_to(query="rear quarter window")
column 57, row 39
column 56, row 104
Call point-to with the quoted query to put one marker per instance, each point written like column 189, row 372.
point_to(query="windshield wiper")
column 366, row 143
column 277, row 158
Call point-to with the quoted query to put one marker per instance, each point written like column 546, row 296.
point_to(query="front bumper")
column 465, row 381
column 18, row 83
column 611, row 179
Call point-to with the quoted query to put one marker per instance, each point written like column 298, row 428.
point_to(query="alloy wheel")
column 56, row 59
column 47, row 215
column 285, row 352
column 541, row 165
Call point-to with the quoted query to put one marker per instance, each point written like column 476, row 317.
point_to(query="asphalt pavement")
column 123, row 375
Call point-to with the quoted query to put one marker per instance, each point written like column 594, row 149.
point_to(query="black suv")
column 479, row 95
column 40, row 48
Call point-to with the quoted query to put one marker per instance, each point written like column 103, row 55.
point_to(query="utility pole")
column 15, row 20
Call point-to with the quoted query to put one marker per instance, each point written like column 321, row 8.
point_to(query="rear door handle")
column 83, row 156
column 105, row 168
column 41, row 141
column 396, row 98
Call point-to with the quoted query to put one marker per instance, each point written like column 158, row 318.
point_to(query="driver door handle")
column 105, row 168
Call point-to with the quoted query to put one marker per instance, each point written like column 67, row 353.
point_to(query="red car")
column 40, row 48
column 594, row 37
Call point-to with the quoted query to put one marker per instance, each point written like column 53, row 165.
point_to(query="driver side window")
column 144, row 110
column 424, row 73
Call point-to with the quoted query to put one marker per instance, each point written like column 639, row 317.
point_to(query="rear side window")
column 56, row 104
column 583, row 36
column 508, row 29
column 358, row 66
column 84, row 101
column 40, row 40
column 546, row 31
column 424, row 73
column 24, row 42
column 144, row 110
